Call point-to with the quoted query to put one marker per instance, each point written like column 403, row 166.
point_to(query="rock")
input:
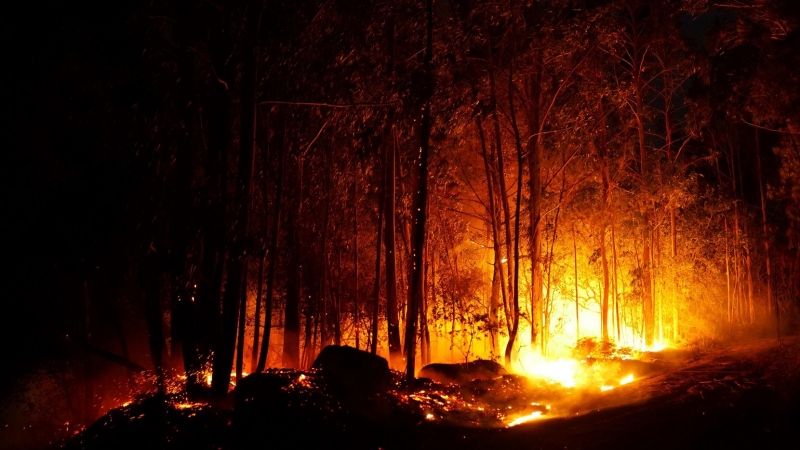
column 353, row 372
column 480, row 369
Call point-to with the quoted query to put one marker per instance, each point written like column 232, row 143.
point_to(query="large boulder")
column 353, row 372
column 480, row 369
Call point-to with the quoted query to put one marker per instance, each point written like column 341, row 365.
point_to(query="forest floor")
column 744, row 395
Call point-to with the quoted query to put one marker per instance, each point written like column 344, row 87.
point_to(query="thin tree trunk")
column 727, row 273
column 257, row 317
column 577, row 304
column 614, row 265
column 751, row 312
column 241, row 327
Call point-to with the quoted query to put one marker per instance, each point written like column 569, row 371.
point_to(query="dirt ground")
column 744, row 396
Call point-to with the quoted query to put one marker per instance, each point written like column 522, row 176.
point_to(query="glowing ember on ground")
column 188, row 405
column 606, row 388
column 626, row 380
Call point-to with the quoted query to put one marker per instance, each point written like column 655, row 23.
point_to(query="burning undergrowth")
column 351, row 399
column 157, row 421
column 509, row 400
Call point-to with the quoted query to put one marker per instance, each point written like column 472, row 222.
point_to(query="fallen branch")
column 329, row 105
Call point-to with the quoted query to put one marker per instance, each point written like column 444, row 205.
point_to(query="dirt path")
column 744, row 396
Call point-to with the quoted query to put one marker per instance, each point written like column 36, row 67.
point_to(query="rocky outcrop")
column 462, row 373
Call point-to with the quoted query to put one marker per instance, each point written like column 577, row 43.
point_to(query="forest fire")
column 401, row 224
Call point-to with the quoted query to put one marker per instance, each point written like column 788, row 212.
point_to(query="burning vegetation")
column 365, row 218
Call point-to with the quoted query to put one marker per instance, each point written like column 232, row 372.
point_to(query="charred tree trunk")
column 376, row 301
column 420, row 209
column 518, row 204
column 259, row 302
column 291, row 331
column 392, row 320
column 356, row 304
column 765, row 230
column 241, row 325
column 535, row 123
column 248, row 148
column 577, row 304
column 497, row 274
column 280, row 142
column 614, row 284
column 501, row 185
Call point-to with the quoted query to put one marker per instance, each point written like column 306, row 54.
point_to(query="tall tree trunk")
column 764, row 228
column 336, row 297
column 751, row 312
column 604, row 305
column 376, row 301
column 498, row 280
column 577, row 304
column 727, row 272
column 241, row 326
column 614, row 285
column 535, row 308
column 247, row 154
column 259, row 301
column 356, row 305
column 420, row 209
column 501, row 184
column 280, row 141
column 535, row 124
column 291, row 330
column 324, row 331
column 223, row 353
column 393, row 324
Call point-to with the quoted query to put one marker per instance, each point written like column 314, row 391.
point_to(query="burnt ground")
column 745, row 396
column 739, row 396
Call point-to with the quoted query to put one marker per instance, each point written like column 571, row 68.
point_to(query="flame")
column 520, row 420
column 657, row 346
column 622, row 382
column 562, row 371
